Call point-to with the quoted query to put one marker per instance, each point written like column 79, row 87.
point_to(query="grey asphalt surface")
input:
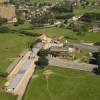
column 85, row 47
column 71, row 64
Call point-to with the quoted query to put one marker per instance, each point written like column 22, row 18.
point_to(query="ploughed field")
column 54, row 83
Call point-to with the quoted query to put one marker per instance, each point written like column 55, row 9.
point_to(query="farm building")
column 62, row 51
column 8, row 12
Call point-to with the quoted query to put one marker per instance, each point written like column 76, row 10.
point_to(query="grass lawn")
column 7, row 96
column 11, row 45
column 79, row 10
column 54, row 31
column 63, row 84
column 19, row 27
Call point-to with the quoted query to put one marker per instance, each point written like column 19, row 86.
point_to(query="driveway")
column 91, row 48
column 71, row 64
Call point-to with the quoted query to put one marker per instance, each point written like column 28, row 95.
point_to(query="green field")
column 63, row 84
column 54, row 31
column 7, row 96
column 80, row 10
column 11, row 45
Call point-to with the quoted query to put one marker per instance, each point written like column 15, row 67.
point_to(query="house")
column 44, row 38
column 8, row 12
column 50, row 42
column 63, row 51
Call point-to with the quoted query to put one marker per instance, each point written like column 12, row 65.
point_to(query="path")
column 91, row 48
column 71, row 64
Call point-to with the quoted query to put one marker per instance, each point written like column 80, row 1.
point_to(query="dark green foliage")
column 98, row 62
column 16, row 24
column 96, row 55
column 82, row 29
column 78, row 27
column 30, row 45
column 43, row 19
column 43, row 53
column 42, row 61
column 62, row 7
column 4, row 29
column 90, row 17
column 3, row 21
column 12, row 1
column 20, row 21
column 64, row 16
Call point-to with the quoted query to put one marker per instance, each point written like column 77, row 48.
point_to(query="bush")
column 4, row 29
column 16, row 24
column 43, row 53
column 3, row 21
column 20, row 21
column 98, row 62
column 42, row 61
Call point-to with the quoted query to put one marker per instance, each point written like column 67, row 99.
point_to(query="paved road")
column 85, row 47
column 71, row 64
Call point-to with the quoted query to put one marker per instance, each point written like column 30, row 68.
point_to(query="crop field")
column 54, row 83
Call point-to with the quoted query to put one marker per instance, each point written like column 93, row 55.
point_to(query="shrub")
column 42, row 61
column 3, row 21
column 4, row 29
column 43, row 53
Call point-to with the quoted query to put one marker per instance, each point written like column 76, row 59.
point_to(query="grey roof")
column 58, row 49
column 35, row 51
column 25, row 65
column 20, row 74
column 15, row 81
column 38, row 45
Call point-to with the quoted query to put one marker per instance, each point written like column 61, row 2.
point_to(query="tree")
column 42, row 61
column 3, row 21
column 11, row 1
column 4, row 29
column 98, row 62
column 43, row 53
column 20, row 21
